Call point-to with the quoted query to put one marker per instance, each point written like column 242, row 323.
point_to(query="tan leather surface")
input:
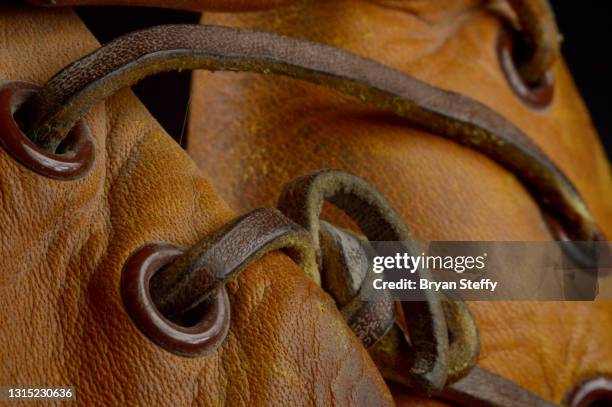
column 453, row 50
column 254, row 133
column 63, row 245
column 194, row 5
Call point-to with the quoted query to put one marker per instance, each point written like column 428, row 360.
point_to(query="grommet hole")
column 511, row 51
column 66, row 147
column 71, row 160
column 593, row 391
column 191, row 318
column 186, row 319
column 193, row 333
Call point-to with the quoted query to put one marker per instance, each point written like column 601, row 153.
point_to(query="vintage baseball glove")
column 127, row 276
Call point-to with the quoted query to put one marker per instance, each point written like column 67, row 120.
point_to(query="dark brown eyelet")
column 583, row 254
column 594, row 391
column 202, row 337
column 586, row 257
column 79, row 146
column 537, row 95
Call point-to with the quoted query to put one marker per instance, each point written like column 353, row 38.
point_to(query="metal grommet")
column 202, row 337
column 73, row 163
column 590, row 392
column 537, row 95
column 581, row 261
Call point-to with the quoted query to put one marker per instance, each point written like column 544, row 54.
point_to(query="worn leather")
column 56, row 107
column 63, row 245
column 254, row 133
column 194, row 5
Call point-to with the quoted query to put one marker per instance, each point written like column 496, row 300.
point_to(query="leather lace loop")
column 209, row 264
column 302, row 200
column 72, row 92
column 439, row 354
column 178, row 298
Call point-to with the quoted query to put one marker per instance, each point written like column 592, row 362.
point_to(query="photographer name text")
column 405, row 263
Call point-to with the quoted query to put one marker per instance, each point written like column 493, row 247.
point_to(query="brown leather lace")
column 52, row 111
column 437, row 355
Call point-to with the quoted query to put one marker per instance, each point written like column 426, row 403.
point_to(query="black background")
column 587, row 31
column 586, row 47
